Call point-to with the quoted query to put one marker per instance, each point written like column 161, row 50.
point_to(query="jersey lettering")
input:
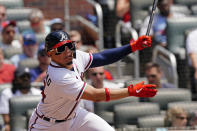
column 43, row 95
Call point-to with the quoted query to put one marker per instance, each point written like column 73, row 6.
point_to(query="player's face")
column 63, row 56
column 153, row 76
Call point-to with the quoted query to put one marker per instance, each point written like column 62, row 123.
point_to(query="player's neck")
column 67, row 66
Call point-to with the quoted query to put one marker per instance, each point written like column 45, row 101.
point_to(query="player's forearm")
column 98, row 95
column 114, row 94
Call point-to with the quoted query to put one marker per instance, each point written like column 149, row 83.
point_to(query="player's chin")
column 69, row 63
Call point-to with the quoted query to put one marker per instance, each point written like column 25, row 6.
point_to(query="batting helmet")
column 56, row 39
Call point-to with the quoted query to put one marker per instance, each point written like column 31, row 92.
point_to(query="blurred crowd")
column 23, row 59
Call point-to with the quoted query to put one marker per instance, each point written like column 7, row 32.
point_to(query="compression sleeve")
column 110, row 56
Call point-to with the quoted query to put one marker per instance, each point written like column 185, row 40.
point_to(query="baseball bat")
column 151, row 17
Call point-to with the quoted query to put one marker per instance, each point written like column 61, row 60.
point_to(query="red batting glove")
column 141, row 90
column 141, row 43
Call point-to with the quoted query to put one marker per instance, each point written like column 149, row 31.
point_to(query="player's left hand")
column 142, row 90
column 141, row 43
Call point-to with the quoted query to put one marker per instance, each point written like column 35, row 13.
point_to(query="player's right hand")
column 141, row 90
column 141, row 43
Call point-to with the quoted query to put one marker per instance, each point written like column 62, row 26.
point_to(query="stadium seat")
column 29, row 62
column 40, row 38
column 139, row 9
column 187, row 105
column 12, row 3
column 18, row 14
column 18, row 109
column 167, row 62
column 23, row 25
column 127, row 114
column 183, row 9
column 164, row 96
column 188, row 3
column 105, row 109
column 194, row 10
column 11, row 51
column 175, row 32
column 151, row 121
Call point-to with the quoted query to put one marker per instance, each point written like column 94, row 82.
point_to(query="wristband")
column 133, row 47
column 130, row 90
column 107, row 93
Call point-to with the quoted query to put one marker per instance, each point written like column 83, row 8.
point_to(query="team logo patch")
column 63, row 37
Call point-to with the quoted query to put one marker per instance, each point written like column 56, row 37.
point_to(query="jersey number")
column 48, row 82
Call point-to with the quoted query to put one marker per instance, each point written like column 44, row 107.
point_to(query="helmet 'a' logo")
column 63, row 37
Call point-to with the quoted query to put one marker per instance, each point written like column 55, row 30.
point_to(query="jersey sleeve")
column 84, row 58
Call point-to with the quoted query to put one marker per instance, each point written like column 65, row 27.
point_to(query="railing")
column 134, row 56
column 167, row 61
column 99, row 13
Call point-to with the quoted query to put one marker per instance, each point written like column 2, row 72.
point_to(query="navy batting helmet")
column 56, row 39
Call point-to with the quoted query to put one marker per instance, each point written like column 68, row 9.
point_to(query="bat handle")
column 151, row 17
column 150, row 24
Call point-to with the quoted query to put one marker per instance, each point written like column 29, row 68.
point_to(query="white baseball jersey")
column 63, row 87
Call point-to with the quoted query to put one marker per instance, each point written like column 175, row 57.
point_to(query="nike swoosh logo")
column 138, row 91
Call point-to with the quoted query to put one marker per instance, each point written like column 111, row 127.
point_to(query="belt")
column 52, row 120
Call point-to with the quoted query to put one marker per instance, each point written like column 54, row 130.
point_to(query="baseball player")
column 64, row 86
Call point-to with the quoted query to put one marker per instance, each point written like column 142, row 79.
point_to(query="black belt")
column 50, row 119
column 56, row 121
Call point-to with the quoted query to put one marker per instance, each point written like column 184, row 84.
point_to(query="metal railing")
column 167, row 61
column 99, row 13
column 134, row 56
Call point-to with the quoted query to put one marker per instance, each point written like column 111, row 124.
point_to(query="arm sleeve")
column 110, row 56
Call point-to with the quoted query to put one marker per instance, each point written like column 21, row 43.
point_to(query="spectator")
column 96, row 77
column 6, row 70
column 21, row 85
column 154, row 74
column 159, row 23
column 176, row 117
column 2, row 16
column 36, row 19
column 8, row 35
column 192, row 121
column 76, row 37
column 56, row 24
column 38, row 74
column 122, row 10
column 30, row 48
column 192, row 57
